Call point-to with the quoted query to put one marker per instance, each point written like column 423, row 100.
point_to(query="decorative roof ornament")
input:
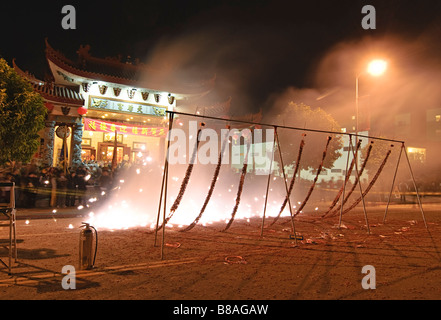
column 85, row 86
column 131, row 93
column 116, row 91
column 65, row 110
column 157, row 97
column 145, row 95
column 103, row 89
column 171, row 99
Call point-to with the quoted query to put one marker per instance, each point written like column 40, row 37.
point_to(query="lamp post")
column 375, row 68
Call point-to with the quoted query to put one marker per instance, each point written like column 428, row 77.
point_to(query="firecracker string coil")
column 368, row 153
column 348, row 175
column 240, row 188
column 291, row 185
column 185, row 181
column 213, row 184
column 316, row 177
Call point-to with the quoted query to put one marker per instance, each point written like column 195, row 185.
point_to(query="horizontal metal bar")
column 284, row 127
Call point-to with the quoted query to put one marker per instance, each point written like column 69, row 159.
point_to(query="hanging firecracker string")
column 348, row 175
column 360, row 173
column 184, row 181
column 316, row 177
column 240, row 188
column 371, row 184
column 291, row 186
column 213, row 183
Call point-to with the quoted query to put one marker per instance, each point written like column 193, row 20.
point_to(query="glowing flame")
column 135, row 203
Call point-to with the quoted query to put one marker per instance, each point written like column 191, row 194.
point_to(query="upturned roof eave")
column 67, row 65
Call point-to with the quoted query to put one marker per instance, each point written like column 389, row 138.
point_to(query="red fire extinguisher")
column 86, row 246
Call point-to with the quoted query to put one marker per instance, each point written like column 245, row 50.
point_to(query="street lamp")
column 375, row 68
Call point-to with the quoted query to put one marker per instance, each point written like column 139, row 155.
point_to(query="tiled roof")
column 115, row 71
column 50, row 91
column 58, row 93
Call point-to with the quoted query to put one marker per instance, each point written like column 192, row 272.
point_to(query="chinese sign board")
column 126, row 107
column 122, row 128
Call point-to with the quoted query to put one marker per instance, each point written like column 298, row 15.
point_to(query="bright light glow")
column 135, row 203
column 377, row 67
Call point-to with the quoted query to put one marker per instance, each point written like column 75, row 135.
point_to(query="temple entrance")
column 105, row 152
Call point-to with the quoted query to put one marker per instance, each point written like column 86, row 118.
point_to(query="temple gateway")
column 107, row 111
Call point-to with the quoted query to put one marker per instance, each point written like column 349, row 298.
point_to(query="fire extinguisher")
column 86, row 246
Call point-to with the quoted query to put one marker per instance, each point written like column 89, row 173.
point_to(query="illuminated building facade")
column 107, row 104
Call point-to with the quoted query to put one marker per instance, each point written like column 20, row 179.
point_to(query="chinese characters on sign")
column 121, row 106
column 122, row 128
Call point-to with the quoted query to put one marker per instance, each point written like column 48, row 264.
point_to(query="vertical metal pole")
column 164, row 213
column 415, row 186
column 170, row 126
column 164, row 187
column 359, row 185
column 284, row 180
column 356, row 107
column 267, row 185
column 115, row 151
column 393, row 182
column 15, row 234
column 160, row 202
column 65, row 150
column 13, row 217
column 344, row 184
column 10, row 242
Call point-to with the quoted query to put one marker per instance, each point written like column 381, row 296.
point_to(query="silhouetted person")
column 32, row 184
column 61, row 189
column 80, row 181
column 71, row 190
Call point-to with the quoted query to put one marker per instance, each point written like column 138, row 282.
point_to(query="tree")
column 22, row 116
column 304, row 117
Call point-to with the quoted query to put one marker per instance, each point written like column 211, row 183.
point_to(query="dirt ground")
column 206, row 264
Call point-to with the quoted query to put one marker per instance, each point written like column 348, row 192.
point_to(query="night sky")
column 265, row 46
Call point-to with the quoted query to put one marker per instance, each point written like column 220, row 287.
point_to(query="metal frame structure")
column 8, row 210
column 163, row 196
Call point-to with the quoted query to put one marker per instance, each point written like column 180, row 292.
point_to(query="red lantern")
column 82, row 111
column 49, row 106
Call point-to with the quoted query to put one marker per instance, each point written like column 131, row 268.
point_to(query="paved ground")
column 207, row 264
